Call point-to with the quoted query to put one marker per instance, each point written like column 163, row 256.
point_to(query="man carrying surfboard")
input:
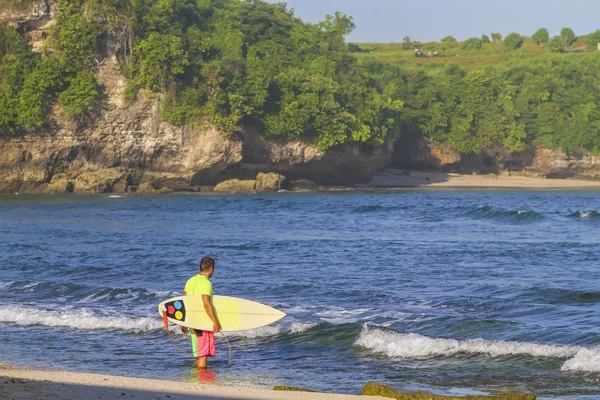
column 203, row 342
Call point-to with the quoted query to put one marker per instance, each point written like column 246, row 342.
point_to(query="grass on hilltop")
column 491, row 54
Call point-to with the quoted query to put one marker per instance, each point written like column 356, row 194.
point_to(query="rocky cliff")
column 126, row 146
column 419, row 153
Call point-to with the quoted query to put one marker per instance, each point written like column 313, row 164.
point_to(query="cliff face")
column 125, row 146
column 128, row 145
column 426, row 154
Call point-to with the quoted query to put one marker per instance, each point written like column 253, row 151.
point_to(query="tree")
column 568, row 36
column 472, row 43
column 592, row 40
column 541, row 36
column 513, row 41
column 33, row 109
column 449, row 39
column 485, row 39
column 496, row 37
column 76, row 39
column 407, row 43
column 160, row 58
column 556, row 44
column 79, row 97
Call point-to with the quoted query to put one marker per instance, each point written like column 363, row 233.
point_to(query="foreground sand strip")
column 24, row 383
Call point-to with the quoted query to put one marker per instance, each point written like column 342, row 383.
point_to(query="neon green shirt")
column 198, row 285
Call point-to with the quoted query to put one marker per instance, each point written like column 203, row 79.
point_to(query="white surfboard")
column 234, row 314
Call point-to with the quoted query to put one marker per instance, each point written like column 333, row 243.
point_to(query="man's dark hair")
column 206, row 264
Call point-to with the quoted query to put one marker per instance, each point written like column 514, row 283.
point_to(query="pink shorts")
column 203, row 343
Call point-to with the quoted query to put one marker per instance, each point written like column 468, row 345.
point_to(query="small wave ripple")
column 585, row 215
column 380, row 208
column 502, row 214
column 416, row 346
column 85, row 293
column 286, row 328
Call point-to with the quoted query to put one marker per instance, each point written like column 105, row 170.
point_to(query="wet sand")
column 25, row 383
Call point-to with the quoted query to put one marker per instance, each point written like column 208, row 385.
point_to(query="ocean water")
column 446, row 291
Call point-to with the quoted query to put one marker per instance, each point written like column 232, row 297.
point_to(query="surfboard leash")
column 229, row 346
column 166, row 322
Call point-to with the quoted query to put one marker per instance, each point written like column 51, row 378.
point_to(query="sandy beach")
column 439, row 180
column 25, row 383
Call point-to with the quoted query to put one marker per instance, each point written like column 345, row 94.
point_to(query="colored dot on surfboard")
column 170, row 310
column 178, row 315
column 177, row 305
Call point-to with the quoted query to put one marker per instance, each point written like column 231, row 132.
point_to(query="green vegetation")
column 226, row 62
column 593, row 40
column 555, row 44
column 472, row 43
column 449, row 39
column 231, row 62
column 568, row 36
column 513, row 41
column 541, row 36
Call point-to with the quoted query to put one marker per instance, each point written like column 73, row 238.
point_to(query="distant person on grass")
column 203, row 342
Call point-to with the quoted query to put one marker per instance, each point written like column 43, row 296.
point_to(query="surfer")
column 203, row 342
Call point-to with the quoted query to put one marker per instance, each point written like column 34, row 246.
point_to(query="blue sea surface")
column 445, row 291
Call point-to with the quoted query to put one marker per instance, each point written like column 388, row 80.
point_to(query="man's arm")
column 208, row 307
column 183, row 328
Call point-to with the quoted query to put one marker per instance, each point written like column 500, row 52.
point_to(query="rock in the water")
column 164, row 190
column 375, row 389
column 303, row 184
column 236, row 186
column 145, row 187
column 120, row 186
column 59, row 184
column 269, row 182
column 100, row 181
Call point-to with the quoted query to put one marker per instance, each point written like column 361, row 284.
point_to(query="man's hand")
column 184, row 330
column 216, row 328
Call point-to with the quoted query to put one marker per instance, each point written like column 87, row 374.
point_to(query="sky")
column 430, row 20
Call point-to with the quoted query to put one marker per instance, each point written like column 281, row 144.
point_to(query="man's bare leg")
column 201, row 362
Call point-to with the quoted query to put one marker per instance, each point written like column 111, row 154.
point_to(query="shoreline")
column 29, row 383
column 393, row 179
column 401, row 179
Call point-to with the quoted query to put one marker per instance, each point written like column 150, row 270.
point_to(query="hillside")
column 107, row 95
column 493, row 54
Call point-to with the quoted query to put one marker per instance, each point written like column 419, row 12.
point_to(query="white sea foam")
column 586, row 359
column 274, row 330
column 415, row 346
column 76, row 319
column 115, row 196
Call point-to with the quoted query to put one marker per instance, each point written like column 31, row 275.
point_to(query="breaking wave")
column 415, row 346
column 84, row 319
column 80, row 319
